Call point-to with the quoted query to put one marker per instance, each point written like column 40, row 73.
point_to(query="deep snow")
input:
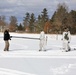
column 37, row 66
column 21, row 47
column 24, row 57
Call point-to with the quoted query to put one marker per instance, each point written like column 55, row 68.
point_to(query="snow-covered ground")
column 24, row 57
column 37, row 66
column 21, row 47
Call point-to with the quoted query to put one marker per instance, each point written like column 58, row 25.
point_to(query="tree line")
column 62, row 18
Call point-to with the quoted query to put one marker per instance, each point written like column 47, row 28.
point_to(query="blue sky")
column 18, row 8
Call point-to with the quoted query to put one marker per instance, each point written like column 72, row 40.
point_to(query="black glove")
column 68, row 42
column 61, row 39
column 10, row 36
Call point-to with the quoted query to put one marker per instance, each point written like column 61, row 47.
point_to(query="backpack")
column 66, row 36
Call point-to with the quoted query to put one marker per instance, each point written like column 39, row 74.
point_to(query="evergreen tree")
column 31, row 22
column 39, row 24
column 26, row 20
column 72, row 21
column 44, row 18
column 20, row 27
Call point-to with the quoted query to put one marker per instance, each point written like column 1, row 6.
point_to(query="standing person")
column 66, row 40
column 42, row 41
column 6, row 39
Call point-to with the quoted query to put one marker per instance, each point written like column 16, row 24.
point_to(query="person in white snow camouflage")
column 42, row 41
column 66, row 40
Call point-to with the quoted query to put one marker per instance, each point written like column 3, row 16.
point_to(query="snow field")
column 21, row 47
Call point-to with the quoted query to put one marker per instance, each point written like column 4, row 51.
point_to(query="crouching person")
column 6, row 39
column 42, row 41
column 66, row 40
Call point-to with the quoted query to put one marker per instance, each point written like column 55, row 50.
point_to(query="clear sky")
column 18, row 8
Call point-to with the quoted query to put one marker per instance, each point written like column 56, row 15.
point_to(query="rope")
column 25, row 37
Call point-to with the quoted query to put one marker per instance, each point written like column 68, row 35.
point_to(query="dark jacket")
column 6, row 35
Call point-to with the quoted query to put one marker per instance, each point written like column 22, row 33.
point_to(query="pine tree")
column 31, row 22
column 26, row 20
column 20, row 27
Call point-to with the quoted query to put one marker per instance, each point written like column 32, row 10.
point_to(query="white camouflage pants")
column 42, row 45
column 66, row 46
